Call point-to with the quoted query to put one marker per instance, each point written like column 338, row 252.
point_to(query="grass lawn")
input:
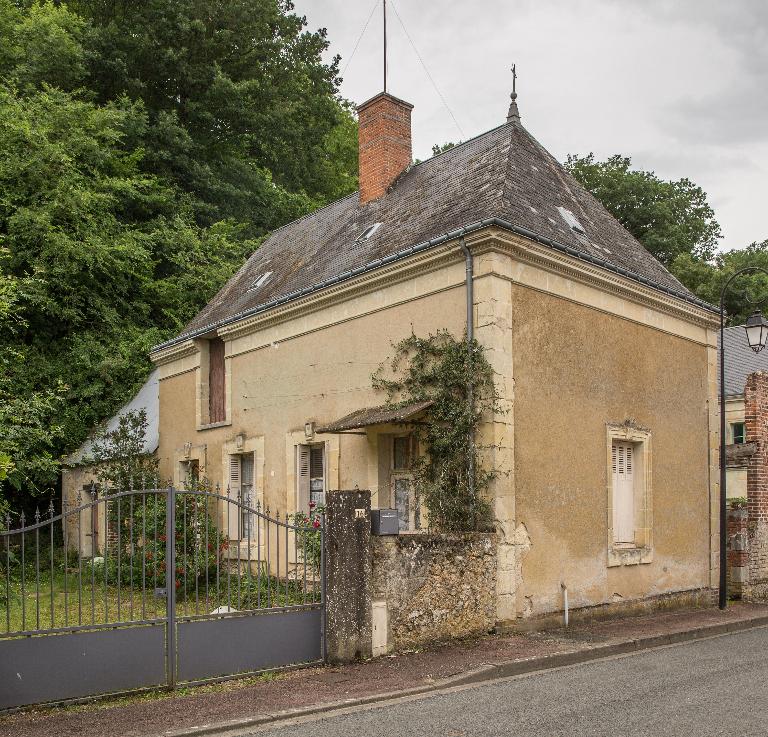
column 71, row 600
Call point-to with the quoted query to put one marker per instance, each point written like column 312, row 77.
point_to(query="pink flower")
column 316, row 523
column 312, row 505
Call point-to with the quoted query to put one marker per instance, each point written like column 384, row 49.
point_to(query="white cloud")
column 678, row 85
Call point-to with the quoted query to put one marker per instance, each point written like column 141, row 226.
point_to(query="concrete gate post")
column 348, row 575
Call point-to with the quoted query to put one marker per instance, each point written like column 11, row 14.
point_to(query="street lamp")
column 757, row 333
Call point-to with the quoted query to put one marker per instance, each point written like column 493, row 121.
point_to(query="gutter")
column 424, row 246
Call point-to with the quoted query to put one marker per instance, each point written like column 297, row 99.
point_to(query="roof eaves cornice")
column 425, row 245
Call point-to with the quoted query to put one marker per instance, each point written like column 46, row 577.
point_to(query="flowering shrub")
column 308, row 534
column 199, row 545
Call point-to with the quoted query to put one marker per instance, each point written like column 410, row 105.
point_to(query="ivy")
column 458, row 379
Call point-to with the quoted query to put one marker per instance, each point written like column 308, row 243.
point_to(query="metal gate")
column 153, row 587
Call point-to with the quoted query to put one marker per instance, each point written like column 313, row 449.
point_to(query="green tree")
column 144, row 147
column 27, row 436
column 670, row 218
column 242, row 112
column 120, row 456
column 706, row 279
column 111, row 258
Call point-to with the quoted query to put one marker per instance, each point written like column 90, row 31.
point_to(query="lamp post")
column 757, row 332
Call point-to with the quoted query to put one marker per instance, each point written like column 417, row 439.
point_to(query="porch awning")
column 384, row 415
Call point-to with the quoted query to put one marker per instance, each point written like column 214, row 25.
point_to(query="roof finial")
column 513, row 114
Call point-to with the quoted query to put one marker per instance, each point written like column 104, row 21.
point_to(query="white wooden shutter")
column 623, row 492
column 302, row 478
column 232, row 511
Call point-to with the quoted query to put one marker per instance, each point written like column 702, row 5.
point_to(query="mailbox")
column 384, row 522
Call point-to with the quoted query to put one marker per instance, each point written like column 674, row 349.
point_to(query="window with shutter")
column 302, row 477
column 217, row 409
column 622, row 459
column 246, row 496
column 231, row 513
column 317, row 475
column 310, row 476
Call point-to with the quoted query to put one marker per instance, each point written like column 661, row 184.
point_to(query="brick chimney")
column 384, row 143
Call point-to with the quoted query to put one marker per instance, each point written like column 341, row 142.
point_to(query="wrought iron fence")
column 117, row 557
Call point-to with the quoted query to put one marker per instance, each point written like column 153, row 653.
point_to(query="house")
column 740, row 362
column 80, row 475
column 605, row 441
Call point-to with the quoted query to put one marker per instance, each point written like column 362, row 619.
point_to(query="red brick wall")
column 384, row 144
column 756, row 420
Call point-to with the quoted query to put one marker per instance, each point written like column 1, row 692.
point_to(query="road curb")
column 483, row 673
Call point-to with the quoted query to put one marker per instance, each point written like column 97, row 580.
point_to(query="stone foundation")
column 693, row 598
column 428, row 588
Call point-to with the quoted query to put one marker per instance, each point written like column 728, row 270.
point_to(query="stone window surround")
column 642, row 551
column 332, row 459
column 242, row 444
column 188, row 453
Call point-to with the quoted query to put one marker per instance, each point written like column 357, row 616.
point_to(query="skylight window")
column 572, row 221
column 261, row 281
column 368, row 232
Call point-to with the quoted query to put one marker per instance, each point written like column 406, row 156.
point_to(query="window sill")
column 629, row 556
column 214, row 425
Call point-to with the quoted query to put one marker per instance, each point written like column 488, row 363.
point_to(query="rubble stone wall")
column 428, row 588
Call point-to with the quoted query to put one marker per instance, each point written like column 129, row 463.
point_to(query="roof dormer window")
column 368, row 232
column 260, row 281
column 572, row 221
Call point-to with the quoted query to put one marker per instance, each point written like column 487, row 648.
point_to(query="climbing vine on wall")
column 458, row 379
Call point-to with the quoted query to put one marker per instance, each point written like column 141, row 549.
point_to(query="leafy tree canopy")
column 706, row 279
column 144, row 150
column 674, row 221
column 670, row 218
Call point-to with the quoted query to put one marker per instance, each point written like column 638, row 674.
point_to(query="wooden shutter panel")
column 232, row 513
column 303, row 456
column 622, row 462
column 217, row 411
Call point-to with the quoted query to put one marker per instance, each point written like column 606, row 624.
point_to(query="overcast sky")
column 680, row 86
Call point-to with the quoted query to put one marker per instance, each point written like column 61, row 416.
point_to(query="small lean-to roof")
column 148, row 399
column 740, row 360
column 384, row 415
column 504, row 176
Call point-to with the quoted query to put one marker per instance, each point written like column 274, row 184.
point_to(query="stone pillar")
column 738, row 551
column 348, row 575
column 756, row 420
column 493, row 330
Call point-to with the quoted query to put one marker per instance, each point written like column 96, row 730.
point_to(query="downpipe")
column 470, row 269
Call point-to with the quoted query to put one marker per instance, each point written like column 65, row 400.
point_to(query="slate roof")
column 503, row 174
column 383, row 415
column 147, row 398
column 740, row 360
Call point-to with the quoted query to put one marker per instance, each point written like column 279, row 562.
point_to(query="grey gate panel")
column 239, row 644
column 34, row 670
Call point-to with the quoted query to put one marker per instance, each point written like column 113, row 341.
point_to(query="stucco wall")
column 570, row 353
column 318, row 375
column 428, row 588
column 577, row 369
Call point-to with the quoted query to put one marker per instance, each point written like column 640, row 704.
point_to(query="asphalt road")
column 711, row 687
